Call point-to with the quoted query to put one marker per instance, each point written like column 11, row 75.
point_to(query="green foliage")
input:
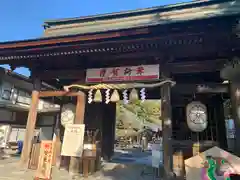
column 145, row 112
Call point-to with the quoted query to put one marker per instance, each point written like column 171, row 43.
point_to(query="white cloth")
column 157, row 158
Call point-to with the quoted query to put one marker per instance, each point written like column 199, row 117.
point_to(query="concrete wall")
column 44, row 129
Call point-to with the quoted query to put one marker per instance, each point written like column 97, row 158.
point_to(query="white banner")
column 157, row 158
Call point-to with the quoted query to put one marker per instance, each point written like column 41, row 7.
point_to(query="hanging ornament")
column 68, row 114
column 196, row 116
column 133, row 95
column 98, row 96
column 143, row 94
column 107, row 96
column 90, row 96
column 115, row 96
column 125, row 97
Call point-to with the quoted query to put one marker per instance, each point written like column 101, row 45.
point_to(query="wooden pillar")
column 108, row 130
column 57, row 140
column 166, row 117
column 235, row 101
column 79, row 119
column 31, row 122
column 219, row 118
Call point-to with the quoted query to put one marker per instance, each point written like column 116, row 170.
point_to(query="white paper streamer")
column 125, row 97
column 143, row 94
column 107, row 95
column 90, row 96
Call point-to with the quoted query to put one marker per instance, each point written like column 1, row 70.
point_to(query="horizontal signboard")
column 127, row 73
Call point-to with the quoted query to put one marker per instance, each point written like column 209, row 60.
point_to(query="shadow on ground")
column 128, row 172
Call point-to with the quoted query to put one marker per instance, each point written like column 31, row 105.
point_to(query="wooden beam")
column 79, row 119
column 62, row 74
column 130, row 55
column 204, row 88
column 57, row 140
column 174, row 49
column 175, row 68
column 235, row 103
column 57, row 93
column 55, row 41
column 31, row 123
column 196, row 66
column 166, row 116
column 80, row 109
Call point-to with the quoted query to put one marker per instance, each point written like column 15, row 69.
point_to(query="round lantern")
column 68, row 114
column 196, row 116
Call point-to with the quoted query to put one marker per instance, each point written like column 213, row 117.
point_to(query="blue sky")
column 23, row 19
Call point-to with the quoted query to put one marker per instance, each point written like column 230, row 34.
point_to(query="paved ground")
column 10, row 170
column 123, row 168
column 132, row 156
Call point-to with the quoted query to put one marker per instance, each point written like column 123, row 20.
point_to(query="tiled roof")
column 142, row 18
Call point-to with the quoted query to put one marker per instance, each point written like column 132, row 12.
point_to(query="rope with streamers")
column 119, row 86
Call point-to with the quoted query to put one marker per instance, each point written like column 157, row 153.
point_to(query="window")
column 6, row 94
column 23, row 97
column 6, row 90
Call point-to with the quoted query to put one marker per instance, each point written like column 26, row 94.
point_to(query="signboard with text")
column 127, row 73
column 73, row 140
column 44, row 169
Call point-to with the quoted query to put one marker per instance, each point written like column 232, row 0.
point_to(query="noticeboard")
column 73, row 140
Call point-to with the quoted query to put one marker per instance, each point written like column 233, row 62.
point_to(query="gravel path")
column 10, row 170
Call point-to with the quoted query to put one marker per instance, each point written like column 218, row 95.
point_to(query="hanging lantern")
column 143, row 94
column 107, row 96
column 125, row 97
column 90, row 96
column 133, row 95
column 98, row 96
column 115, row 96
column 196, row 116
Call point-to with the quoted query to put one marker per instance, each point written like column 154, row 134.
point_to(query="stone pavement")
column 10, row 170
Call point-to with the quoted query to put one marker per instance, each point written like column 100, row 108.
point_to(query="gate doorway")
column 138, row 126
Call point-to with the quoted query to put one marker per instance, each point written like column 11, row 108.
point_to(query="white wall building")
column 15, row 99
